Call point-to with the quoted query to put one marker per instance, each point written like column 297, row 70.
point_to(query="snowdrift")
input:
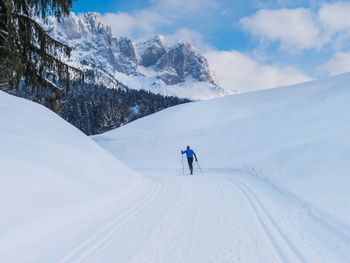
column 297, row 137
column 51, row 175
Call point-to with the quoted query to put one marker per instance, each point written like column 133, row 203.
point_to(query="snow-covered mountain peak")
column 150, row 51
column 183, row 61
column 184, row 43
column 151, row 65
column 94, row 23
column 88, row 25
column 158, row 40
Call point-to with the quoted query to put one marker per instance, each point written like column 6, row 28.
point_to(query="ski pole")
column 183, row 168
column 200, row 169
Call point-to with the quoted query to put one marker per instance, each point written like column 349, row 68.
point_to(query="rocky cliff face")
column 94, row 46
column 151, row 51
column 150, row 65
column 182, row 61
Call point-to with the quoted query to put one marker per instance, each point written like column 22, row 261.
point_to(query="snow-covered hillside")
column 274, row 187
column 55, row 181
column 286, row 149
column 173, row 70
column 295, row 136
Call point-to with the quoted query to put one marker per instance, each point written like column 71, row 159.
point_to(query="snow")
column 52, row 177
column 191, row 89
column 284, row 151
column 157, row 40
column 274, row 187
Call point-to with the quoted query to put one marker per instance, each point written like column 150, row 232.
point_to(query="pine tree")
column 27, row 51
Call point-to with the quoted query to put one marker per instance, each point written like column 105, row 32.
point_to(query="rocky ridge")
column 151, row 65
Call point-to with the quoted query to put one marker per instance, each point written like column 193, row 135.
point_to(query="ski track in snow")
column 280, row 245
column 220, row 216
column 215, row 217
column 285, row 249
column 97, row 240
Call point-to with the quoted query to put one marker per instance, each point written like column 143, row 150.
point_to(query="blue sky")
column 219, row 24
column 279, row 42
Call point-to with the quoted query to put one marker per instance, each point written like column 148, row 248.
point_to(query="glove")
column 196, row 160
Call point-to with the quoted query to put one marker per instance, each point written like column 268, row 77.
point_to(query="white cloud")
column 128, row 25
column 145, row 23
column 335, row 20
column 327, row 25
column 141, row 24
column 339, row 63
column 335, row 17
column 122, row 24
column 190, row 35
column 237, row 71
column 294, row 28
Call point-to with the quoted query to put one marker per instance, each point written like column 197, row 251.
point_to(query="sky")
column 249, row 44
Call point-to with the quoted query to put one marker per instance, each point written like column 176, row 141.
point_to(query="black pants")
column 190, row 163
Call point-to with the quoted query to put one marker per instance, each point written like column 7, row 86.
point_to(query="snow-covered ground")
column 274, row 187
column 55, row 183
column 285, row 154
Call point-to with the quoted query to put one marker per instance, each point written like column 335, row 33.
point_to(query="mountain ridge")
column 174, row 70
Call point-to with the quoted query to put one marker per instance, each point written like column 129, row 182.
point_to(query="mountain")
column 175, row 70
column 124, row 80
column 122, row 76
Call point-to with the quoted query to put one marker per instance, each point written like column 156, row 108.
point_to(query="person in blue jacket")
column 190, row 153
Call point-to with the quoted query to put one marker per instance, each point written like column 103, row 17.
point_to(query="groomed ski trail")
column 208, row 223
column 234, row 216
column 82, row 252
column 220, row 216
column 286, row 250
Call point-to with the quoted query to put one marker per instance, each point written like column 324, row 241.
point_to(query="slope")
column 294, row 135
column 283, row 150
column 54, row 179
column 273, row 188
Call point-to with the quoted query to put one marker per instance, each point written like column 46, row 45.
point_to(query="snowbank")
column 51, row 174
column 297, row 137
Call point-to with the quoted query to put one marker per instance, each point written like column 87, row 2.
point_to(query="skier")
column 190, row 153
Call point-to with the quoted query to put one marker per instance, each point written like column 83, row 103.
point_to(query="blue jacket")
column 189, row 153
